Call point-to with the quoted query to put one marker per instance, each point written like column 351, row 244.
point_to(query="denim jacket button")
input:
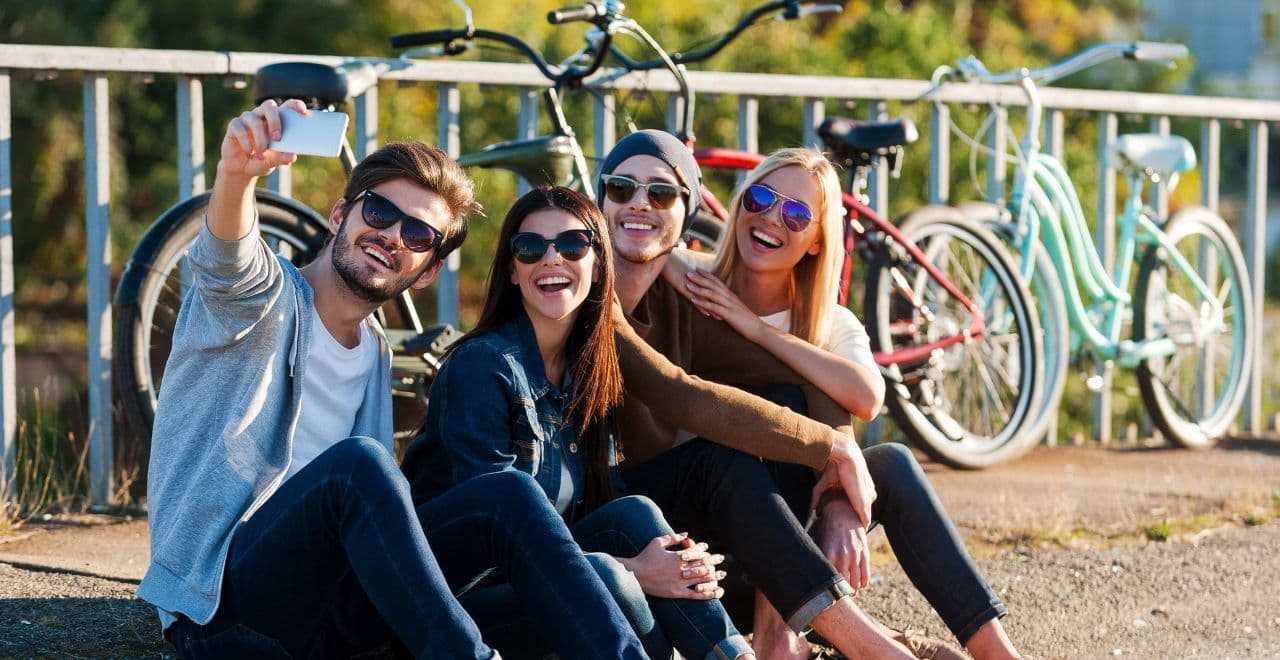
column 573, row 447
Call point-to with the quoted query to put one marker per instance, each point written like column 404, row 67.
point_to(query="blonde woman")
column 774, row 280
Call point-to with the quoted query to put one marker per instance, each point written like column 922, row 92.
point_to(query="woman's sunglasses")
column 621, row 189
column 573, row 245
column 378, row 212
column 759, row 198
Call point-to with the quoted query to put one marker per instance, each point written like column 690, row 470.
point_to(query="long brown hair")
column 597, row 378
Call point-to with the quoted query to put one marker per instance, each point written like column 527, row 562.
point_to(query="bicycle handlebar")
column 1155, row 51
column 585, row 12
column 785, row 10
column 971, row 68
column 556, row 75
column 608, row 18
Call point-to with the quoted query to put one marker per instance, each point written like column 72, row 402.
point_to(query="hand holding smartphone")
column 318, row 133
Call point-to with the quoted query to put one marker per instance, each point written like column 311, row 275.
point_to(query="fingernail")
column 686, row 556
column 686, row 573
column 275, row 135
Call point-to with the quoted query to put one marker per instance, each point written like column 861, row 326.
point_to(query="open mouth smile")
column 765, row 239
column 552, row 283
column 378, row 254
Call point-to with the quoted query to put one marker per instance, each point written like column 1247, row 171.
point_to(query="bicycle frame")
column 1048, row 215
column 857, row 212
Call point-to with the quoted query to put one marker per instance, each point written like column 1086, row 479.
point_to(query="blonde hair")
column 815, row 278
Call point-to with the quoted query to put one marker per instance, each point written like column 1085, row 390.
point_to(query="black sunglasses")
column 621, row 189
column 573, row 245
column 759, row 198
column 378, row 212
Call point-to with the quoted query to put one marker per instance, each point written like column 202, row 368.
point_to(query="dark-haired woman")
column 531, row 388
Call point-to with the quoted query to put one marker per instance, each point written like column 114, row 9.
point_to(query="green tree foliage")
column 880, row 38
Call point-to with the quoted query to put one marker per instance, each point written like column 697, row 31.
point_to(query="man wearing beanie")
column 722, row 492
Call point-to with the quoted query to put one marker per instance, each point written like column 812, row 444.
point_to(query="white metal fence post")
column 8, row 368
column 748, row 128
column 450, row 138
column 1103, row 229
column 939, row 153
column 528, row 124
column 366, row 123
column 814, row 113
column 190, row 137
column 1255, row 255
column 97, row 133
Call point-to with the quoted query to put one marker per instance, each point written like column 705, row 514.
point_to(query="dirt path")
column 1064, row 536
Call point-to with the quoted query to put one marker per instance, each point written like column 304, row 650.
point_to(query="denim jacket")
column 491, row 408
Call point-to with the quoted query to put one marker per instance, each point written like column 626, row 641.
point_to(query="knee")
column 361, row 457
column 507, row 485
column 359, row 465
column 620, row 582
column 641, row 515
column 513, row 492
column 892, row 465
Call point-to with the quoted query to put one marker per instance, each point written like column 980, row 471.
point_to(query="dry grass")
column 1163, row 526
column 51, row 468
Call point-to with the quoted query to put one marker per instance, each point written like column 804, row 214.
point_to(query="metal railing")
column 192, row 67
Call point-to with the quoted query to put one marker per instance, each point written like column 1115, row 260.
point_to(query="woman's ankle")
column 991, row 643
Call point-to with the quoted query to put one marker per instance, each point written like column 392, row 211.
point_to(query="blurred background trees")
column 871, row 38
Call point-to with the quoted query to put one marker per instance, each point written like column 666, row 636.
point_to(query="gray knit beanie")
column 666, row 148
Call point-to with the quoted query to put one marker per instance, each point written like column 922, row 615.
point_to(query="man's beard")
column 643, row 256
column 655, row 249
column 345, row 264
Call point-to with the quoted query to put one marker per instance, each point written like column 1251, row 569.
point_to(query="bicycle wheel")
column 157, row 278
column 967, row 405
column 1051, row 311
column 1194, row 394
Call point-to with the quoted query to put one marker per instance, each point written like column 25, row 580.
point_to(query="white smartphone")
column 317, row 134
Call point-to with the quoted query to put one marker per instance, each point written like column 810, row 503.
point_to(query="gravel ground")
column 56, row 614
column 1216, row 596
column 1059, row 535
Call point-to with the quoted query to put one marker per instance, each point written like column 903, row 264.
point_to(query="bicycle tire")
column 1051, row 309
column 1159, row 296
column 928, row 399
column 150, row 292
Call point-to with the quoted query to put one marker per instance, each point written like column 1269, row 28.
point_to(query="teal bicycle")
column 1190, row 312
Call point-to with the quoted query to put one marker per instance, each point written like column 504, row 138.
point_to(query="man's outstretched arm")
column 245, row 157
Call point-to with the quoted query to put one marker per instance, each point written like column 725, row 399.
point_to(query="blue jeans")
column 620, row 528
column 772, row 503
column 338, row 561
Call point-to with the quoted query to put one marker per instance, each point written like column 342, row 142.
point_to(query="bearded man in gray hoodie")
column 280, row 523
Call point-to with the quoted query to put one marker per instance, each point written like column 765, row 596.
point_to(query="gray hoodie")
column 223, row 435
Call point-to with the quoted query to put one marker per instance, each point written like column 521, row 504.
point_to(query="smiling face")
column 553, row 288
column 640, row 232
column 764, row 242
column 374, row 264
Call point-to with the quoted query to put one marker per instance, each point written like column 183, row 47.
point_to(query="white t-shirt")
column 848, row 338
column 332, row 390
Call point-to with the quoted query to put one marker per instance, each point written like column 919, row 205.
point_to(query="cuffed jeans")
column 747, row 505
column 620, row 528
column 338, row 561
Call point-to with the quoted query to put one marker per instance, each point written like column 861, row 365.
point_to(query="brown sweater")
column 667, row 352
